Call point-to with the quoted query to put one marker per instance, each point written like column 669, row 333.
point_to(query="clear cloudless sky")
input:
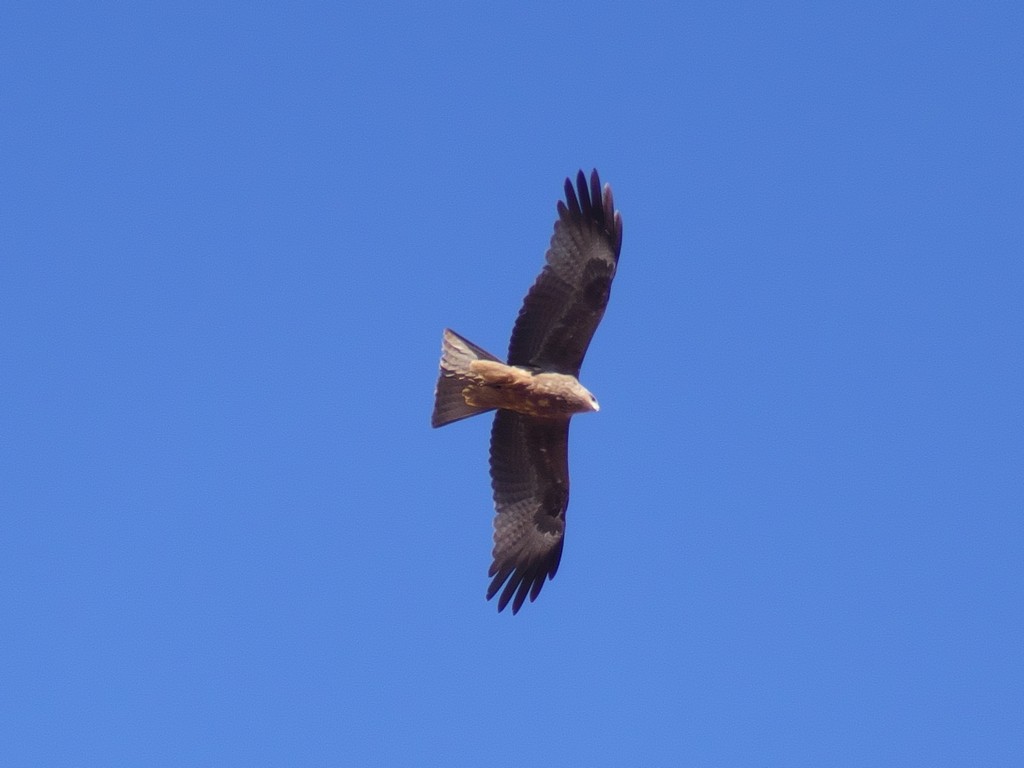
column 230, row 237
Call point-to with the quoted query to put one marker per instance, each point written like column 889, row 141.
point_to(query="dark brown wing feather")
column 530, row 477
column 566, row 303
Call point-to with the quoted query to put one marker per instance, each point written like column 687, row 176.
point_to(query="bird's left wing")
column 530, row 478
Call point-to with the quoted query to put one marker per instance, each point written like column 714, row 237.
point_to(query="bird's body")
column 537, row 391
column 488, row 384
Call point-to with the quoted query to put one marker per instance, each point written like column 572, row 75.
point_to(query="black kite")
column 536, row 391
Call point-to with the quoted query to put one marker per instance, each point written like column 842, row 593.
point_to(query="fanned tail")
column 449, row 402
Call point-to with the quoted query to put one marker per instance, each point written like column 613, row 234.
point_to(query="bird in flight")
column 537, row 390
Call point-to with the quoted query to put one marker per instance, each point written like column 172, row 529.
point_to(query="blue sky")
column 230, row 237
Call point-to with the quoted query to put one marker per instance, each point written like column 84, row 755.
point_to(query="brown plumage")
column 536, row 391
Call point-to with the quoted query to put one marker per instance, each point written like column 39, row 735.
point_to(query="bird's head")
column 587, row 400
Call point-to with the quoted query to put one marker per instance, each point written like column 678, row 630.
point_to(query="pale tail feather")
column 456, row 355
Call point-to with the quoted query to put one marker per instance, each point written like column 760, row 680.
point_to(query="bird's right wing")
column 563, row 308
